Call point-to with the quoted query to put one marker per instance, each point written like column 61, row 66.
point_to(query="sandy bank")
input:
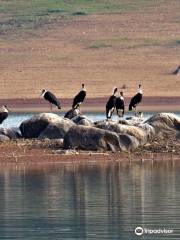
column 92, row 104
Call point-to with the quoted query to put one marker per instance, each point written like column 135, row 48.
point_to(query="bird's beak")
column 8, row 109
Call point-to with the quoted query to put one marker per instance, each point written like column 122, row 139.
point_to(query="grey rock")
column 72, row 113
column 134, row 131
column 90, row 138
column 56, row 129
column 4, row 138
column 82, row 120
column 33, row 127
column 165, row 124
column 12, row 133
column 94, row 139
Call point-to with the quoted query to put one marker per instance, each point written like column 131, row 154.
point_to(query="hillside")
column 57, row 45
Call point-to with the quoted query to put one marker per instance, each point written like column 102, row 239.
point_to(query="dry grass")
column 102, row 50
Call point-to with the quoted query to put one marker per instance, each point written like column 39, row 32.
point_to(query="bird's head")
column 43, row 92
column 83, row 87
column 115, row 90
column 5, row 108
column 140, row 89
column 121, row 93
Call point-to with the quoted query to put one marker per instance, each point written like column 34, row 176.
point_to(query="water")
column 15, row 119
column 89, row 201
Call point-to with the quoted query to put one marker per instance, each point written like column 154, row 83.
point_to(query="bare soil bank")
column 92, row 104
column 48, row 151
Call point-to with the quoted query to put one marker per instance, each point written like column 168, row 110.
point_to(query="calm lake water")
column 15, row 119
column 90, row 200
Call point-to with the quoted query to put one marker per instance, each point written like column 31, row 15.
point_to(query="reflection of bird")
column 177, row 71
column 79, row 98
column 136, row 99
column 3, row 113
column 51, row 98
column 120, row 105
column 111, row 104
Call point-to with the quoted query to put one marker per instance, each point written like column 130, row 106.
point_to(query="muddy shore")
column 92, row 104
column 48, row 151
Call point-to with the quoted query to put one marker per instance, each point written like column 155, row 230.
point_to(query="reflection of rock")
column 91, row 138
column 11, row 133
column 45, row 125
column 82, row 120
column 165, row 123
column 134, row 131
column 72, row 113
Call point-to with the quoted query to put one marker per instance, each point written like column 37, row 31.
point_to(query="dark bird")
column 136, row 99
column 3, row 113
column 111, row 104
column 79, row 98
column 177, row 71
column 120, row 107
column 51, row 98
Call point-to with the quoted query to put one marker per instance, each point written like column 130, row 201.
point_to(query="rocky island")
column 47, row 136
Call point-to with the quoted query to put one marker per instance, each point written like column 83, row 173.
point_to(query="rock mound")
column 134, row 131
column 45, row 125
column 72, row 113
column 165, row 124
column 94, row 139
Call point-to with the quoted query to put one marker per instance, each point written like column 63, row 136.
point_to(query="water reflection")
column 89, row 201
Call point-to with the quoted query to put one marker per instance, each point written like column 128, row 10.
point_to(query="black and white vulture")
column 3, row 113
column 177, row 71
column 136, row 99
column 120, row 106
column 79, row 98
column 111, row 104
column 51, row 98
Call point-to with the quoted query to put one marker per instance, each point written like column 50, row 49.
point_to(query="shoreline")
column 149, row 103
column 48, row 152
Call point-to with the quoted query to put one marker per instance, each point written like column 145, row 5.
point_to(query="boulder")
column 150, row 131
column 90, row 138
column 82, row 120
column 72, row 113
column 11, row 133
column 134, row 120
column 127, row 142
column 134, row 131
column 94, row 139
column 33, row 127
column 165, row 124
column 4, row 138
column 56, row 129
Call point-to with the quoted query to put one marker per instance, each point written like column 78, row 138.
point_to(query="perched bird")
column 177, row 71
column 3, row 113
column 51, row 98
column 111, row 104
column 79, row 98
column 136, row 99
column 120, row 107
